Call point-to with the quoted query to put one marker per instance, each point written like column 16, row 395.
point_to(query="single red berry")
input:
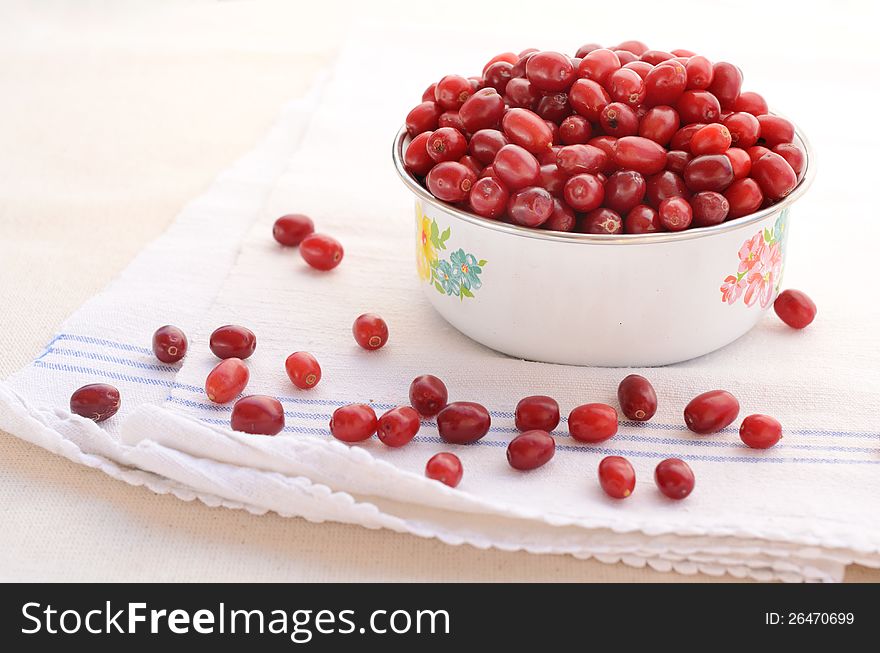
column 416, row 158
column 775, row 130
column 446, row 468
column 660, row 124
column 752, row 103
column 624, row 190
column 699, row 73
column 258, row 414
column 497, row 75
column 626, row 86
column 726, row 83
column 711, row 411
column 710, row 208
column 321, row 252
column 516, row 167
column 592, row 422
column 575, row 129
column 96, row 401
column 625, row 56
column 709, row 172
column 640, row 154
column 530, row 207
column 463, row 422
column 519, row 93
column 507, row 57
column 677, row 160
column 597, row 65
column 482, row 110
column 636, row 47
column 642, row 68
column 233, row 341
column 664, row 185
column 744, row 129
column 227, row 380
column 450, row 181
column 428, row 395
column 584, row 192
column 793, row 155
column 740, row 162
column 450, row 120
column 537, row 412
column 290, row 229
column 353, row 423
column 169, row 344
column 452, row 91
column 711, row 139
column 303, row 370
column 562, row 218
column 617, row 477
column 744, row 197
column 674, row 478
column 527, row 129
column 601, row 221
column 760, row 431
column 698, row 107
column 422, row 118
column 655, row 57
column 675, row 213
column 550, row 71
column 794, row 308
column 489, row 198
column 588, row 98
column 755, row 152
column 665, row 84
column 428, row 94
column 638, row 400
column 619, row 120
column 531, row 450
column 580, row 158
column 485, row 143
column 641, row 219
column 774, row 176
column 398, row 426
column 447, row 144
column 370, row 331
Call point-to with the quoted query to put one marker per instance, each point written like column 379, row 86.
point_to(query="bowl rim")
column 606, row 239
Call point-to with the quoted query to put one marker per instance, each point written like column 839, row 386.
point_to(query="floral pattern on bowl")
column 457, row 276
column 759, row 272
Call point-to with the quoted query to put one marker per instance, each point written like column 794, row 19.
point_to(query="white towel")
column 800, row 511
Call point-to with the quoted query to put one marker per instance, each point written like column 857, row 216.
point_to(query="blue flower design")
column 446, row 277
column 780, row 226
column 465, row 267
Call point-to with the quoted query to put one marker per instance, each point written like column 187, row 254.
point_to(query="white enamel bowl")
column 581, row 299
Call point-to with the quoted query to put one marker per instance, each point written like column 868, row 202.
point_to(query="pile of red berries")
column 609, row 141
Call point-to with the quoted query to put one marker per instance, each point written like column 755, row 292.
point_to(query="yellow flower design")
column 425, row 253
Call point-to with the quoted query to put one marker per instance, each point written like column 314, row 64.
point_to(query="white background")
column 114, row 114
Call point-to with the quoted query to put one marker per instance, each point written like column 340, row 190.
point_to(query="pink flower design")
column 761, row 282
column 751, row 252
column 731, row 289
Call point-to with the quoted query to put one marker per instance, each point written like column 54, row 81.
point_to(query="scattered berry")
column 303, row 370
column 617, row 477
column 675, row 478
column 233, row 341
column 370, row 331
column 169, row 344
column 97, row 401
column 794, row 308
column 258, row 414
column 530, row 450
column 446, row 468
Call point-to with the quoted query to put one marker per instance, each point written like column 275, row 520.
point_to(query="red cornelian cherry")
column 775, row 130
column 353, row 423
column 553, row 109
column 638, row 400
column 597, row 65
column 561, row 219
column 452, row 91
column 233, row 341
column 423, row 117
column 676, row 160
column 592, row 422
column 636, row 47
column 676, row 214
column 446, row 468
column 447, row 144
column 711, row 139
column 519, row 93
column 550, row 71
column 710, row 208
column 642, row 68
column 498, row 75
column 463, row 422
column 574, row 130
column 584, row 192
column 698, row 107
column 760, row 431
column 626, row 86
column 751, row 102
column 795, row 308
column 485, row 143
column 416, row 157
column 711, row 411
column 664, row 185
column 553, row 179
column 755, row 152
column 617, row 477
column 290, row 229
column 619, row 119
column 169, row 344
column 579, row 159
column 527, row 129
column 370, row 331
column 655, row 57
column 530, row 207
column 450, row 181
column 451, row 120
column 699, row 73
column 708, row 172
column 506, row 57
column 744, row 129
column 482, row 110
column 726, row 83
column 531, row 450
column 258, row 414
column 322, row 252
column 398, row 426
column 659, row 124
column 96, row 401
column 774, row 176
column 601, row 221
column 624, row 190
column 488, row 198
column 793, row 155
column 740, row 162
column 665, row 84
column 681, row 140
column 537, row 412
column 227, row 380
column 744, row 197
column 588, row 98
column 303, row 370
column 516, row 167
column 674, row 478
column 640, row 154
column 641, row 219
column 428, row 395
